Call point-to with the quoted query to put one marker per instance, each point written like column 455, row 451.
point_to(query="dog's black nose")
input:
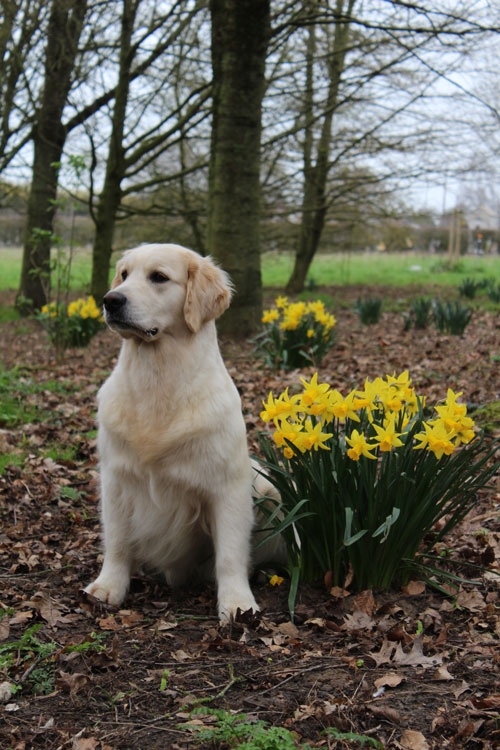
column 114, row 301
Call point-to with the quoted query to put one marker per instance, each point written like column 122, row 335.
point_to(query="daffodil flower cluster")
column 50, row 310
column 290, row 315
column 71, row 325
column 385, row 409
column 296, row 333
column 85, row 308
column 368, row 483
column 451, row 428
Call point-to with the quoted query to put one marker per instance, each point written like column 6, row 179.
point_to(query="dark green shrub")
column 493, row 291
column 369, row 310
column 451, row 317
column 420, row 314
column 469, row 287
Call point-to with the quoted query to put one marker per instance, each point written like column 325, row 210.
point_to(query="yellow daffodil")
column 287, row 431
column 292, row 316
column 465, row 434
column 459, row 428
column 359, row 446
column 328, row 322
column 84, row 308
column 281, row 302
column 50, row 309
column 343, row 408
column 317, row 307
column 269, row 315
column 276, row 580
column 411, row 401
column 368, row 398
column 279, row 408
column 451, row 403
column 312, row 390
column 436, row 438
column 312, row 437
column 387, row 437
column 402, row 381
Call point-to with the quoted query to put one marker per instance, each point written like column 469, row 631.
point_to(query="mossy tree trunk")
column 240, row 34
column 49, row 134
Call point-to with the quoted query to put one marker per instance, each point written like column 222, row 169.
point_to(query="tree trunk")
column 109, row 200
column 240, row 33
column 314, row 204
column 63, row 33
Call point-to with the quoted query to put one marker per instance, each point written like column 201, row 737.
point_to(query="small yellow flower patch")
column 276, row 580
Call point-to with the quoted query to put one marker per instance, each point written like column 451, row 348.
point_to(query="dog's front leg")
column 232, row 520
column 113, row 581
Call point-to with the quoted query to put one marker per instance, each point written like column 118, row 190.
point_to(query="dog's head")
column 164, row 289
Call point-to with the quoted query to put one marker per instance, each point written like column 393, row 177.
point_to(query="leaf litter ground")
column 410, row 668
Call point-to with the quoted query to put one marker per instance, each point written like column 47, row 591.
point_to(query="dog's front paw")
column 110, row 591
column 234, row 600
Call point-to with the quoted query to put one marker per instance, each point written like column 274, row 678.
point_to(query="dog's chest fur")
column 167, row 420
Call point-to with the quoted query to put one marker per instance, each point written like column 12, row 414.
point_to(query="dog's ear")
column 208, row 293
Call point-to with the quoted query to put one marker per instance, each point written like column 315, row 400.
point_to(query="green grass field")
column 10, row 268
column 396, row 269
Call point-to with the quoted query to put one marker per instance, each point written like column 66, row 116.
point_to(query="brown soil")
column 410, row 668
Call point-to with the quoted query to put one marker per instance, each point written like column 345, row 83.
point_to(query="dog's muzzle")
column 114, row 306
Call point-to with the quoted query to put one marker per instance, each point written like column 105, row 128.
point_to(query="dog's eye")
column 124, row 275
column 158, row 278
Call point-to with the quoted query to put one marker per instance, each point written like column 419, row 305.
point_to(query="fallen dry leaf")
column 411, row 740
column 471, row 600
column 358, row 621
column 384, row 655
column 72, row 682
column 416, row 656
column 442, row 674
column 468, row 728
column 180, row 655
column 491, row 701
column 4, row 628
column 84, row 743
column 385, row 712
column 414, row 588
column 6, row 689
column 391, row 679
column 20, row 618
column 45, row 605
column 339, row 593
column 109, row 623
column 130, row 618
column 461, row 689
column 288, row 629
column 319, row 622
column 304, row 712
column 364, row 602
column 164, row 625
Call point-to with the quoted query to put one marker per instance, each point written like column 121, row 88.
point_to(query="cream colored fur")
column 175, row 473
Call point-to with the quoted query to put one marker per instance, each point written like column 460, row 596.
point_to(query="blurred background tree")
column 242, row 127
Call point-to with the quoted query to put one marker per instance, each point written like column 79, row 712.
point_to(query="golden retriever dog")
column 176, row 479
